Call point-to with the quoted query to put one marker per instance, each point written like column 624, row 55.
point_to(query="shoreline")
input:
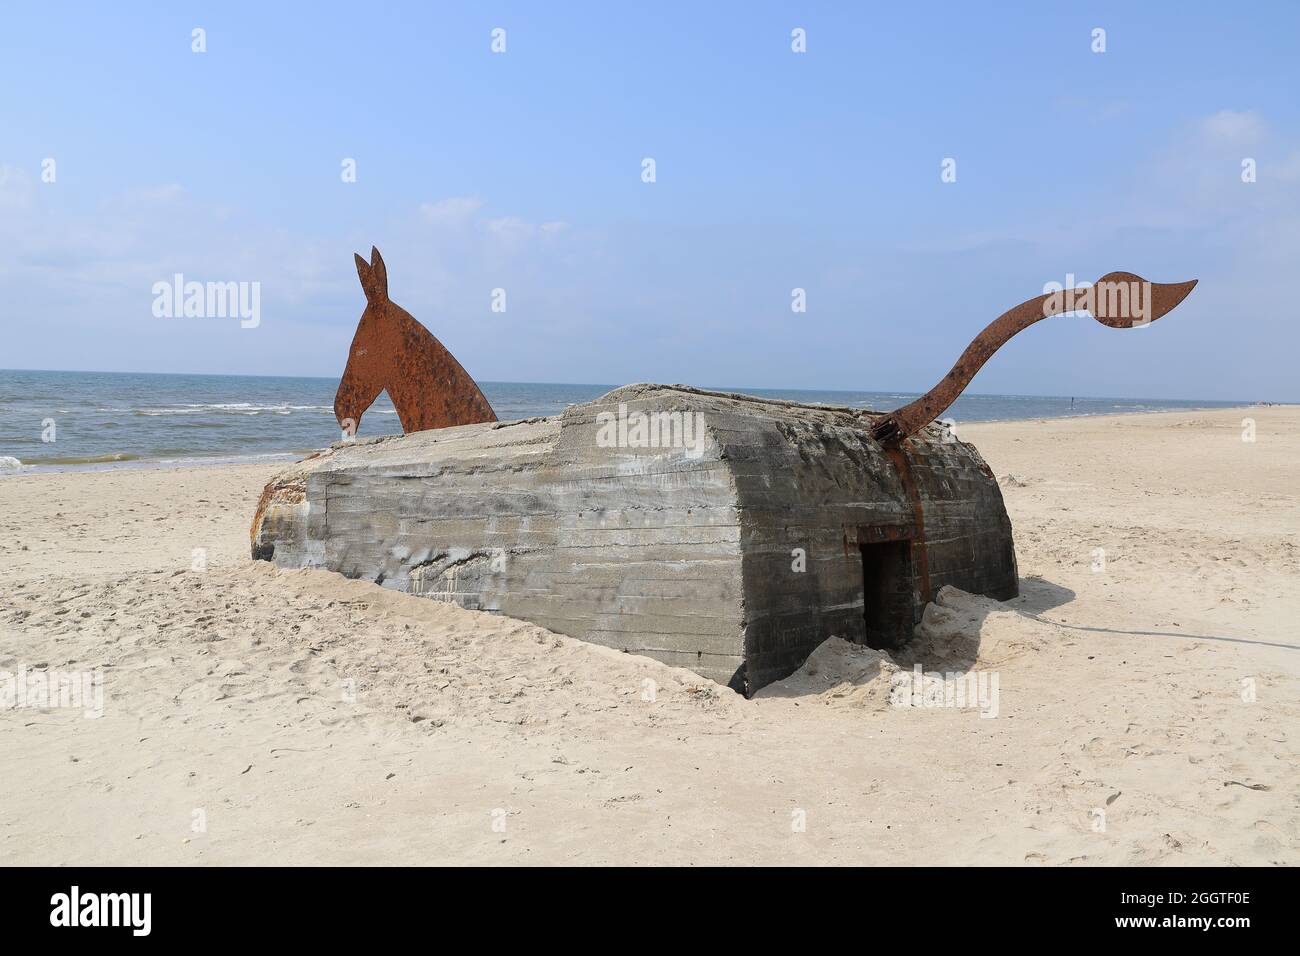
column 154, row 464
column 289, row 457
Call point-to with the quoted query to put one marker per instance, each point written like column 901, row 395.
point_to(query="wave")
column 9, row 464
column 81, row 459
column 151, row 461
column 230, row 408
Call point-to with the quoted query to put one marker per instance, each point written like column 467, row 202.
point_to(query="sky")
column 774, row 170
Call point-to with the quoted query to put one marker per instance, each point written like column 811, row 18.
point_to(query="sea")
column 71, row 421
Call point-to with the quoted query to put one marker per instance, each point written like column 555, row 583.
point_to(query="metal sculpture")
column 393, row 352
column 1120, row 300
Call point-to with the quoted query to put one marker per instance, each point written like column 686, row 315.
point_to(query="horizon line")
column 736, row 388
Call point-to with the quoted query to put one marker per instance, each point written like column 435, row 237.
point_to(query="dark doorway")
column 887, row 593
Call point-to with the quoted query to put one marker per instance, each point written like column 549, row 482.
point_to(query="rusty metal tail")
column 1119, row 300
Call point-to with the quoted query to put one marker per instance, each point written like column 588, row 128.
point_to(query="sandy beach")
column 1148, row 675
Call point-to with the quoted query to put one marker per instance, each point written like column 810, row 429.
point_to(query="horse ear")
column 379, row 270
column 363, row 273
column 373, row 281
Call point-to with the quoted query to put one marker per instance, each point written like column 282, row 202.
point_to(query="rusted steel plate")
column 1120, row 300
column 920, row 554
column 393, row 352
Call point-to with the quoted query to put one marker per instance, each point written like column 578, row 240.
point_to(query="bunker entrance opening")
column 887, row 593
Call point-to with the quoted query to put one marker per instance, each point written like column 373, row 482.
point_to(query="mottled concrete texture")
column 723, row 533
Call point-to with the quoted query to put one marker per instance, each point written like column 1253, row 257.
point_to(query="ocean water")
column 114, row 420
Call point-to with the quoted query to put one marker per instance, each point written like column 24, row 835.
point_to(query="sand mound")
column 839, row 674
column 334, row 650
column 959, row 631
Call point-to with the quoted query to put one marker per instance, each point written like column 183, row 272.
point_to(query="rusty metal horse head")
column 393, row 352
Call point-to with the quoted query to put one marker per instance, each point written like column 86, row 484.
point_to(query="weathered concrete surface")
column 734, row 551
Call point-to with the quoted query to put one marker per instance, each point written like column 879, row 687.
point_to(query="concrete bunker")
column 724, row 533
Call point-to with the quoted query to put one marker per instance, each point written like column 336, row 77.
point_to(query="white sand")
column 304, row 718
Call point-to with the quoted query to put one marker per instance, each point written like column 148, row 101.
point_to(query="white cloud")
column 168, row 192
column 1234, row 128
column 88, row 268
column 1288, row 170
column 513, row 231
column 16, row 188
column 455, row 210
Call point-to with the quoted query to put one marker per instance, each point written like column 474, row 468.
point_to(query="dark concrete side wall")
column 811, row 480
column 968, row 533
column 801, row 483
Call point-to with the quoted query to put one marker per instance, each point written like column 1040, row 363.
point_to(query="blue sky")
column 774, row 170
